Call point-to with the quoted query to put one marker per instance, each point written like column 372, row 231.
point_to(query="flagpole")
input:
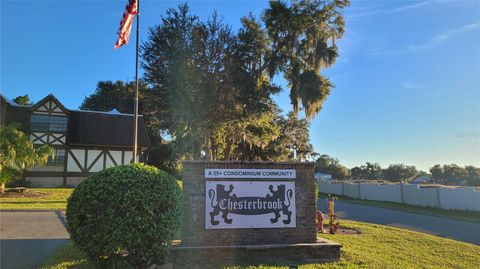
column 135, row 121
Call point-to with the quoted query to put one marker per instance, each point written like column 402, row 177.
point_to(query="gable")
column 49, row 105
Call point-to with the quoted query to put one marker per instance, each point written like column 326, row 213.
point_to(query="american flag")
column 126, row 24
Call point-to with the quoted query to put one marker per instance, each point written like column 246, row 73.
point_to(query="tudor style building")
column 84, row 141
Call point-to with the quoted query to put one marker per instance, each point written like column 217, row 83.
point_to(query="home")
column 422, row 180
column 322, row 176
column 84, row 142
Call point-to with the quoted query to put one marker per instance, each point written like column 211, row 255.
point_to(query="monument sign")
column 249, row 204
column 240, row 210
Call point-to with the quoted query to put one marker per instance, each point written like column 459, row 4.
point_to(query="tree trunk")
column 213, row 156
column 2, row 187
column 228, row 150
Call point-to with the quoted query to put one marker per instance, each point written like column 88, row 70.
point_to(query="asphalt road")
column 448, row 228
column 28, row 238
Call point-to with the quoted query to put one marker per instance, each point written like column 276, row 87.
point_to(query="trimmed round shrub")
column 125, row 216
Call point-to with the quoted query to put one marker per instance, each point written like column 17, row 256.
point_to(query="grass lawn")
column 54, row 199
column 377, row 246
column 470, row 216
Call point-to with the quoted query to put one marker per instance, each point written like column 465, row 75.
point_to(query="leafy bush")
column 18, row 153
column 125, row 216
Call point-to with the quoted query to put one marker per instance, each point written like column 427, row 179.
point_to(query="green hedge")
column 125, row 216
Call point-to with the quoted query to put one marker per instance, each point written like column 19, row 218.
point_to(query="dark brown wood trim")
column 49, row 98
column 106, row 146
column 55, row 139
column 58, row 174
column 65, row 163
column 123, row 157
column 85, row 160
column 111, row 158
column 43, row 174
column 38, row 138
column 105, row 160
column 49, row 132
column 77, row 162
column 80, row 174
column 96, row 159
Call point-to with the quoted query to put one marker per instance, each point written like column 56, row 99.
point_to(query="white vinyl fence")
column 463, row 198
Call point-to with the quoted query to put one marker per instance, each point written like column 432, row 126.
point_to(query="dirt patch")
column 343, row 230
column 25, row 194
column 347, row 231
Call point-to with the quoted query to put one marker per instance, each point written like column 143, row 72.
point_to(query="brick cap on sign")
column 247, row 162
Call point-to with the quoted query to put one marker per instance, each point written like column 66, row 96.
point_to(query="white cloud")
column 444, row 36
column 432, row 42
column 405, row 8
column 387, row 11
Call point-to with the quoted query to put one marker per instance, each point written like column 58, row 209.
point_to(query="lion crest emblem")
column 223, row 201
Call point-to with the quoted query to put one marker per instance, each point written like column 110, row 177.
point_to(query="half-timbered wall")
column 94, row 160
column 48, row 132
column 48, row 125
column 49, row 107
column 47, row 122
column 46, row 138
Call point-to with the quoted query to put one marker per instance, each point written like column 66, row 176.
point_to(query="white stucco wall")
column 381, row 192
column 415, row 195
column 71, row 164
column 327, row 187
column 463, row 198
column 460, row 198
column 108, row 162
column 117, row 156
column 128, row 157
column 92, row 155
column 351, row 190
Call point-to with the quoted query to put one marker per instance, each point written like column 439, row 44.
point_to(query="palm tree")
column 303, row 37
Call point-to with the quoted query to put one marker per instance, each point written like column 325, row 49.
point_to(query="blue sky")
column 407, row 80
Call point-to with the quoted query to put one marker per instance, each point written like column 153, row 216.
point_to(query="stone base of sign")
column 301, row 253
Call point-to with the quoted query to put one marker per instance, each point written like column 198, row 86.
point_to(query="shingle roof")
column 11, row 112
column 92, row 128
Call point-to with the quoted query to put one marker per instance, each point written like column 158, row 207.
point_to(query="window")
column 49, row 123
column 59, row 157
column 40, row 122
column 58, row 123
